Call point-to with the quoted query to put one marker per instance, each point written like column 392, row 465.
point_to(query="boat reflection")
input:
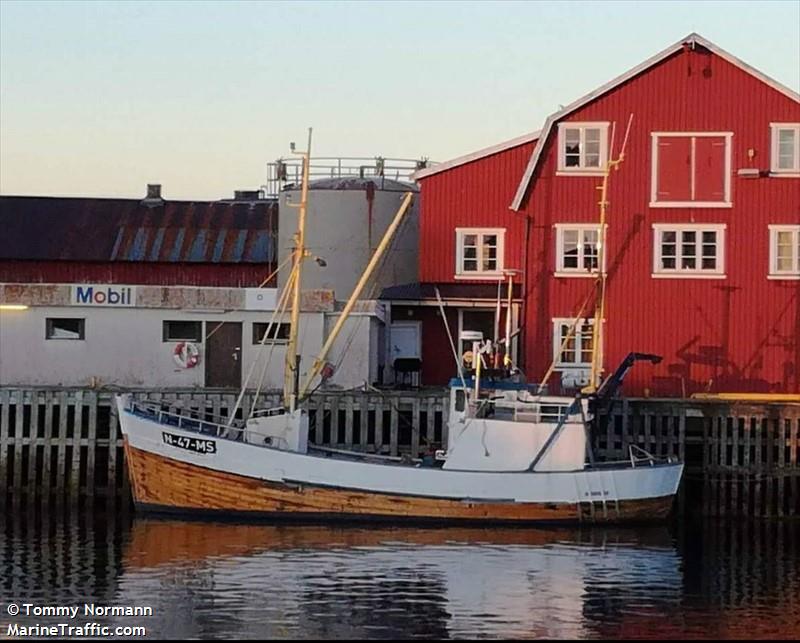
column 335, row 582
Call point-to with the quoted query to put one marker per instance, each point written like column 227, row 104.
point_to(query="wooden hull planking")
column 165, row 485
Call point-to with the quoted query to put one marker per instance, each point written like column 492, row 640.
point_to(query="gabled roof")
column 99, row 229
column 692, row 39
column 474, row 156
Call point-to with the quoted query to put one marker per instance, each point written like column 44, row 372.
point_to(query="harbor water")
column 224, row 580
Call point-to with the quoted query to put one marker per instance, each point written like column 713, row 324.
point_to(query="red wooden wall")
column 474, row 195
column 739, row 333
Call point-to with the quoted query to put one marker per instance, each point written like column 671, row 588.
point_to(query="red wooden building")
column 703, row 236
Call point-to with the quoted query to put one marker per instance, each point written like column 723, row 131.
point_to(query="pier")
column 63, row 448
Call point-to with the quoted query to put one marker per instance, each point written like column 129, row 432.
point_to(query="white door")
column 405, row 352
column 406, row 340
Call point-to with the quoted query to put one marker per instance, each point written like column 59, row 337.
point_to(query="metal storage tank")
column 346, row 219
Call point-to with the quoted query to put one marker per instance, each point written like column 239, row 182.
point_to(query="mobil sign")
column 103, row 295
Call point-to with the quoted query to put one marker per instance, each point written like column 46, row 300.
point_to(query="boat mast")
column 291, row 371
column 599, row 311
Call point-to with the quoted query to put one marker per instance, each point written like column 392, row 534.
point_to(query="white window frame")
column 774, row 169
column 278, row 341
column 684, row 273
column 655, row 203
column 166, row 337
column 558, row 322
column 794, row 272
column 561, row 270
column 479, row 274
column 582, row 170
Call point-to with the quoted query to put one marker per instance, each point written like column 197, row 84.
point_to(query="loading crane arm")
column 608, row 389
column 602, row 401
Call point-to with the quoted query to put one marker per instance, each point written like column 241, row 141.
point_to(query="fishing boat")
column 513, row 455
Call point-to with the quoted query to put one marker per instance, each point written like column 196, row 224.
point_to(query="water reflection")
column 225, row 580
column 383, row 583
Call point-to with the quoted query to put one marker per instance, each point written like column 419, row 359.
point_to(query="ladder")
column 596, row 505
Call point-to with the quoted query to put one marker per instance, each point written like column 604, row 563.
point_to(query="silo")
column 346, row 219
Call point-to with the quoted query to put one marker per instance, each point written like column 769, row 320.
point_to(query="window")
column 476, row 320
column 577, row 250
column 279, row 332
column 183, row 331
column 785, row 149
column 695, row 250
column 479, row 252
column 64, row 328
column 577, row 352
column 691, row 169
column 784, row 251
column 582, row 147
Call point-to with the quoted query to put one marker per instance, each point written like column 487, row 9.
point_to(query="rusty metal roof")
column 88, row 229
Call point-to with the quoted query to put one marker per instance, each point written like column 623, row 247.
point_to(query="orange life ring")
column 186, row 354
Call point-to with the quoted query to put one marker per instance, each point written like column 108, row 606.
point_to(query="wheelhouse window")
column 479, row 252
column 573, row 343
column 183, row 331
column 785, row 149
column 582, row 147
column 691, row 169
column 65, row 328
column 784, row 251
column 577, row 249
column 278, row 332
column 689, row 250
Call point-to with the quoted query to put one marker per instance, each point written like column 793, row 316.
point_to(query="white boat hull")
column 173, row 469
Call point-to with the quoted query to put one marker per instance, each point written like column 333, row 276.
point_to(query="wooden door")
column 224, row 354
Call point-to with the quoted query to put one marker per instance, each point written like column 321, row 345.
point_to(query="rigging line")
column 359, row 322
column 570, row 332
column 450, row 337
column 276, row 271
column 281, row 304
column 261, row 285
column 377, row 273
column 273, row 343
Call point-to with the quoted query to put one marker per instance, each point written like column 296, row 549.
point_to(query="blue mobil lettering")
column 103, row 296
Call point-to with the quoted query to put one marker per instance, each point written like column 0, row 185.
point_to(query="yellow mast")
column 291, row 372
column 599, row 311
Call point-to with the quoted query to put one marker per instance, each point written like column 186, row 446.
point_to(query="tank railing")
column 284, row 172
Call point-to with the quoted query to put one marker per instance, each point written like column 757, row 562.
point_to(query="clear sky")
column 100, row 98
